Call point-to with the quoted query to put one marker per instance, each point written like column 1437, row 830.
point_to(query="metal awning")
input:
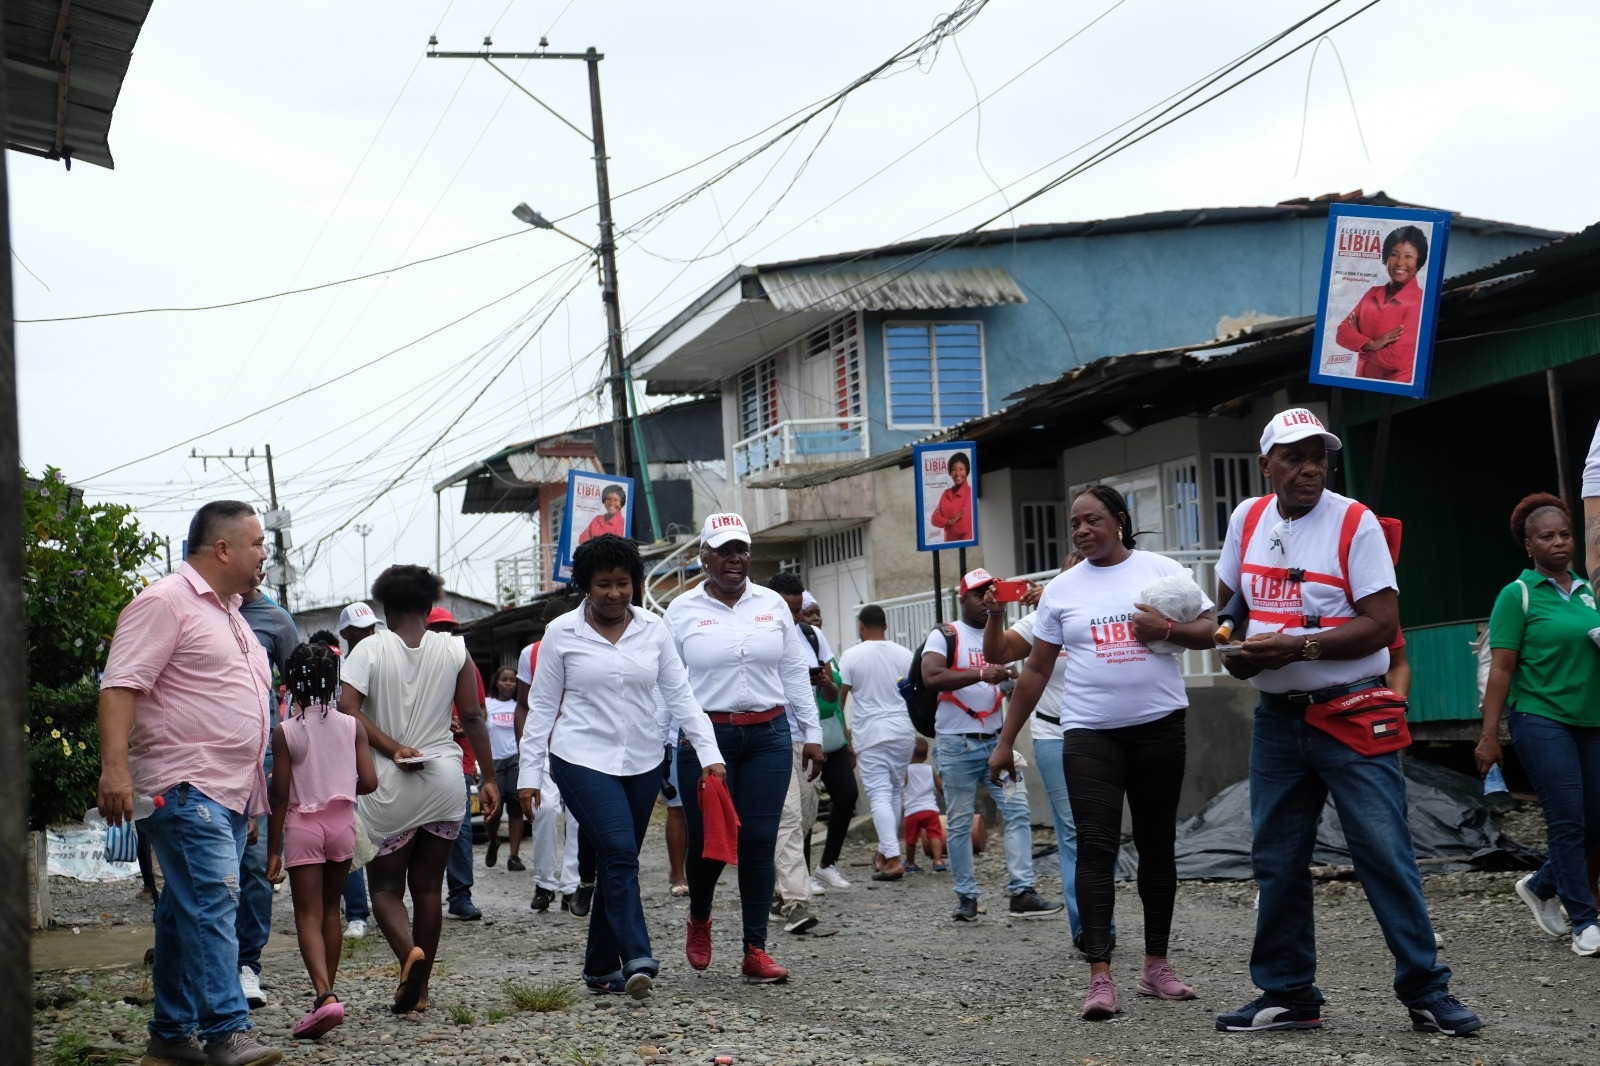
column 65, row 61
column 891, row 290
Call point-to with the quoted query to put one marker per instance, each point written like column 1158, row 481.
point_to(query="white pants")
column 555, row 868
column 799, row 811
column 883, row 772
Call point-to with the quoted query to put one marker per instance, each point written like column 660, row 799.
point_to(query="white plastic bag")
column 366, row 848
column 1176, row 597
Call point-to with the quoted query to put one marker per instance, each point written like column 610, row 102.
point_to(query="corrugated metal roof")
column 915, row 290
column 65, row 61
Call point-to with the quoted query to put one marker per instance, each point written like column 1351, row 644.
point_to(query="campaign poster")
column 1380, row 298
column 596, row 504
column 947, row 495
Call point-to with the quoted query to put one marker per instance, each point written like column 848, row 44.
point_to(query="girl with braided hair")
column 320, row 763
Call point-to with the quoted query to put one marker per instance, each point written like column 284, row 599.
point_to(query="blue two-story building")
column 822, row 363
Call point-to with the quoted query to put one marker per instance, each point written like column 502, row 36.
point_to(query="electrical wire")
column 277, row 295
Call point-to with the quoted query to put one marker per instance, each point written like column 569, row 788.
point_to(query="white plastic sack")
column 78, row 851
column 366, row 848
column 1178, row 598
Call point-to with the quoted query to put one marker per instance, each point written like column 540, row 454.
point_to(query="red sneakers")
column 759, row 969
column 698, row 945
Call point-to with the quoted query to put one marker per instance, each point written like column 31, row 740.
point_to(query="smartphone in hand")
column 1010, row 591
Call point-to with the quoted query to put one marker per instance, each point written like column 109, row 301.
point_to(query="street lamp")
column 363, row 529
column 523, row 213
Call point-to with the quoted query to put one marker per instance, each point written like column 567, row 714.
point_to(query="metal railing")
column 911, row 618
column 801, row 440
column 667, row 575
column 519, row 578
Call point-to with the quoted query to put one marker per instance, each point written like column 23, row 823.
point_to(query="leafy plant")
column 70, row 1049
column 541, row 997
column 81, row 564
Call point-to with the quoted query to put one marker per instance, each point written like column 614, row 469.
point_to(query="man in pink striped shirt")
column 183, row 716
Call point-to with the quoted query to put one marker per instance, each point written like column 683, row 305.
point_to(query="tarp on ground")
column 1454, row 827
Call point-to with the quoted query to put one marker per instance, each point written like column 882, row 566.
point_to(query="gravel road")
column 888, row 979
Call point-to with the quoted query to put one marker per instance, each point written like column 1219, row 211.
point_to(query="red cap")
column 441, row 614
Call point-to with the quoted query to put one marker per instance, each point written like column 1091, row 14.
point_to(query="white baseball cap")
column 1295, row 424
column 976, row 579
column 357, row 616
column 723, row 527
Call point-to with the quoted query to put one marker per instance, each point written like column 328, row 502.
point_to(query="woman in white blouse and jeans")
column 598, row 667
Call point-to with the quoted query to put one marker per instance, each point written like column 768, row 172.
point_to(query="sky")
column 264, row 148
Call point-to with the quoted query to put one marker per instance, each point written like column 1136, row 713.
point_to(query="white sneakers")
column 1586, row 941
column 1548, row 913
column 817, row 887
column 250, row 985
column 832, row 876
column 356, row 929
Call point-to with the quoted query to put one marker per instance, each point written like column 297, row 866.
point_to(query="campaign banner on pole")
column 596, row 504
column 947, row 495
column 1380, row 298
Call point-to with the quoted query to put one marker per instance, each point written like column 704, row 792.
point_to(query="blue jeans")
column 1047, row 758
column 759, row 760
column 199, row 844
column 255, row 891
column 963, row 765
column 458, row 872
column 1563, row 761
column 356, row 906
column 614, row 813
column 1293, row 769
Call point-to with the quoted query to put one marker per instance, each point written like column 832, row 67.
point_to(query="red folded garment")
column 719, row 822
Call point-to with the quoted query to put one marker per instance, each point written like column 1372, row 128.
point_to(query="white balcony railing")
column 519, row 578
column 801, row 440
column 911, row 618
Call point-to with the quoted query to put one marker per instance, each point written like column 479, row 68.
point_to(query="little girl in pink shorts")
column 320, row 763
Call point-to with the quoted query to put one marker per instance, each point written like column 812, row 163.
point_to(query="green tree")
column 81, row 564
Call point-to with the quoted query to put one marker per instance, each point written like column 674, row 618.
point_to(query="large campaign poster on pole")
column 1380, row 298
column 596, row 504
column 947, row 495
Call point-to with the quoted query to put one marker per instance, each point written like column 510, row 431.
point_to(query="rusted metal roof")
column 65, row 61
column 915, row 290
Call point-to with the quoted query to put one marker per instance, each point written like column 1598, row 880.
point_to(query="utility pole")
column 274, row 520
column 363, row 528
column 607, row 248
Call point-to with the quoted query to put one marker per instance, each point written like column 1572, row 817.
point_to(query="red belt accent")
column 1299, row 620
column 744, row 717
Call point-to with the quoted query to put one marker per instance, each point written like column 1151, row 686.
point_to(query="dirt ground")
column 885, row 978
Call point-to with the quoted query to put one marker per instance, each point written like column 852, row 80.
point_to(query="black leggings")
column 839, row 778
column 1145, row 763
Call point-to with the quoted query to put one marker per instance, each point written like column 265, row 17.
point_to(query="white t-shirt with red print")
column 1112, row 679
column 982, row 698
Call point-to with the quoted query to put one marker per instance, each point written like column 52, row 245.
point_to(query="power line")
column 277, row 295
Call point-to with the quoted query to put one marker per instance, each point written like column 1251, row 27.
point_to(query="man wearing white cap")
column 1316, row 575
column 967, row 723
column 357, row 622
column 750, row 670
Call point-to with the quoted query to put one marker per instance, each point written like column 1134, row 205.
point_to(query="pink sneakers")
column 1102, row 1002
column 1159, row 981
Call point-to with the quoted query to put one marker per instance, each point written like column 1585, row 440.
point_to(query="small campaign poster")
column 596, row 504
column 947, row 495
column 1380, row 298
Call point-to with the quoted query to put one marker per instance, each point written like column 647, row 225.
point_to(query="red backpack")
column 1347, row 534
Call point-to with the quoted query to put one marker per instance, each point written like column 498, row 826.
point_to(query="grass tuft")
column 70, row 1049
column 497, row 1014
column 461, row 1014
column 542, row 996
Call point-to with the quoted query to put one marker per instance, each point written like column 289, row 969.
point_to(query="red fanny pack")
column 1370, row 722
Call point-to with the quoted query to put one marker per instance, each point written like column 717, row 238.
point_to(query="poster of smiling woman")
column 596, row 504
column 947, row 495
column 1380, row 298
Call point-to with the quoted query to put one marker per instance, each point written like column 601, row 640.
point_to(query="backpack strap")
column 952, row 642
column 1347, row 534
column 810, row 633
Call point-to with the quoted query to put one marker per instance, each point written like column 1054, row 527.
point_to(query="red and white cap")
column 1295, row 424
column 357, row 616
column 723, row 527
column 976, row 579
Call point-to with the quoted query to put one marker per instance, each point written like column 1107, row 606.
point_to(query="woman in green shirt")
column 1546, row 668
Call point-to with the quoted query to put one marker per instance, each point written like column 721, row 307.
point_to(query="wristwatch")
column 1311, row 651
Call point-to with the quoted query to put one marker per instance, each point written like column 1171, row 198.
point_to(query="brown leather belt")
column 744, row 717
